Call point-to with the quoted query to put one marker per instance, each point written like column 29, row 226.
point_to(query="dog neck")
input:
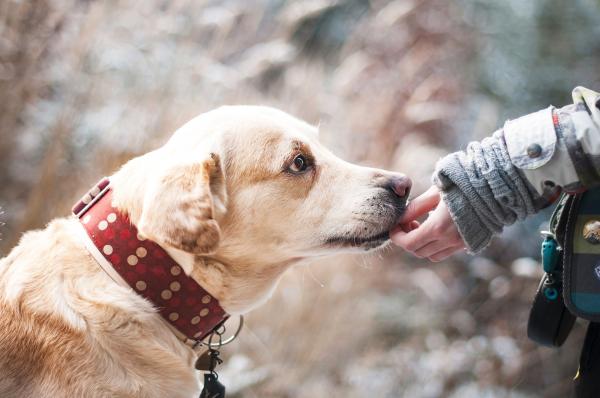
column 240, row 283
column 153, row 273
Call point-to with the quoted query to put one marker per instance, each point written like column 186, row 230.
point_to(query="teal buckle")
column 549, row 254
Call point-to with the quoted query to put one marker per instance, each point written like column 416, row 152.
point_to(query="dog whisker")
column 314, row 278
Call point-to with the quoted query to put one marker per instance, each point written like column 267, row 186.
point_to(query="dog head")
column 242, row 192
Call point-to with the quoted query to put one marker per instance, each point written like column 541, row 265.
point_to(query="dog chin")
column 362, row 242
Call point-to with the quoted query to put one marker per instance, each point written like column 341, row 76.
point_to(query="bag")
column 582, row 256
column 570, row 287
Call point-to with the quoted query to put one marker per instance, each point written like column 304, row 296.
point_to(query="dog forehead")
column 249, row 122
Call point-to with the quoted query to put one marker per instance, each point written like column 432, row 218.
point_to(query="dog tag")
column 212, row 387
column 204, row 362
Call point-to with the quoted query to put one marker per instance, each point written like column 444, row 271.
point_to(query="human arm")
column 507, row 177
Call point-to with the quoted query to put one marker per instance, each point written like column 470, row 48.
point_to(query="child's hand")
column 437, row 237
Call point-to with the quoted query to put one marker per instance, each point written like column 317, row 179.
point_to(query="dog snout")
column 400, row 185
column 397, row 184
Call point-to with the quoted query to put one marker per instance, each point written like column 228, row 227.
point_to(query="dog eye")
column 299, row 164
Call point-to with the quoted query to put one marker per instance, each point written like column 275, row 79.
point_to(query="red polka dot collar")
column 146, row 267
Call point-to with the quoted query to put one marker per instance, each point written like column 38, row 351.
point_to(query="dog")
column 236, row 197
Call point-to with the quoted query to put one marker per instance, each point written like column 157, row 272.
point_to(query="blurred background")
column 86, row 85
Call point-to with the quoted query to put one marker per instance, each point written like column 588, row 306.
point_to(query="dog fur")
column 223, row 198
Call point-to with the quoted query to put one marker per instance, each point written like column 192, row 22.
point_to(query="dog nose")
column 399, row 185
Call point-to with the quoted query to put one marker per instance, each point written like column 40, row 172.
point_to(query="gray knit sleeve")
column 484, row 191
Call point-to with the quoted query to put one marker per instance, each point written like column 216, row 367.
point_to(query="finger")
column 413, row 240
column 421, row 205
column 398, row 236
column 444, row 254
column 407, row 227
column 432, row 248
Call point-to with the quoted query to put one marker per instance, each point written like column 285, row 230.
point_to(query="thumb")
column 421, row 205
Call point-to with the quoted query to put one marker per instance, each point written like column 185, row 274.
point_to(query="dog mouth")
column 365, row 242
column 374, row 226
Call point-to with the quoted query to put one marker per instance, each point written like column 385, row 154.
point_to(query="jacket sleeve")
column 559, row 146
column 521, row 168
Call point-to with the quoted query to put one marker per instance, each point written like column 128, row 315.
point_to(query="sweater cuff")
column 473, row 232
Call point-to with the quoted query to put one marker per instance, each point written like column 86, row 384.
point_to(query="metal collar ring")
column 221, row 342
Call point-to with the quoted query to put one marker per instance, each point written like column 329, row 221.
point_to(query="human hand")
column 437, row 237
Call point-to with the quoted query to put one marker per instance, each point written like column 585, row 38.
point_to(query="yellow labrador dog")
column 236, row 197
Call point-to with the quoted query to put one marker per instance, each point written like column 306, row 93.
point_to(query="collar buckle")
column 91, row 197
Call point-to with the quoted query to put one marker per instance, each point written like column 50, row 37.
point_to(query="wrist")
column 474, row 233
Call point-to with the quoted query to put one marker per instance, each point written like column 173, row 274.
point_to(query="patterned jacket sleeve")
column 518, row 170
column 559, row 146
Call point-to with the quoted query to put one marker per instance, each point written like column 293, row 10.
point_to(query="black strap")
column 560, row 217
column 549, row 321
column 587, row 382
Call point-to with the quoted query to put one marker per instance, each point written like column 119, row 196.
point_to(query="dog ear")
column 179, row 208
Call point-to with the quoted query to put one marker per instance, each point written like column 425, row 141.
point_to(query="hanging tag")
column 212, row 387
column 204, row 362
